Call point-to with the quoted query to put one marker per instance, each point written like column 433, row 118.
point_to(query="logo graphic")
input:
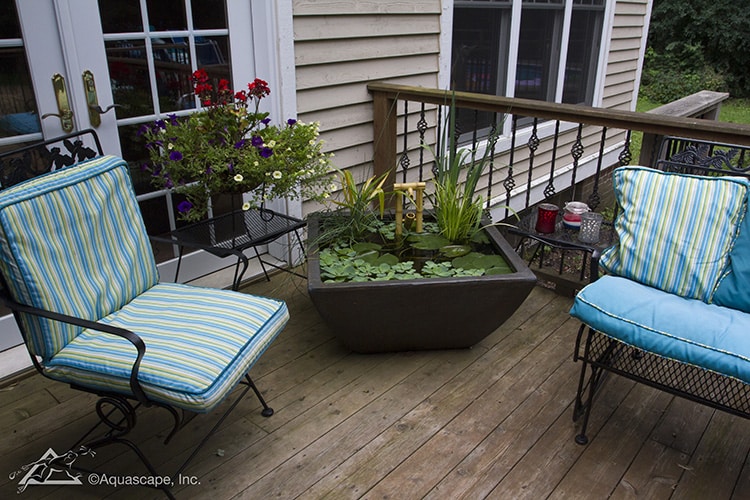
column 51, row 469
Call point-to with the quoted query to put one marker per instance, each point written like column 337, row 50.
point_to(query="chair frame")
column 602, row 354
column 116, row 411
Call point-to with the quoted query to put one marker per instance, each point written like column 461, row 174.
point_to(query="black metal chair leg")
column 267, row 410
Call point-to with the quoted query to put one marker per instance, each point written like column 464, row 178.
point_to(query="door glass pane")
column 128, row 73
column 120, row 16
column 18, row 111
column 208, row 15
column 213, row 55
column 166, row 15
column 173, row 70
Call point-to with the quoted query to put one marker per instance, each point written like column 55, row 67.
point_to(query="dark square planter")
column 429, row 313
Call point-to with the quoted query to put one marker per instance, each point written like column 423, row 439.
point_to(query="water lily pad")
column 476, row 260
column 453, row 251
column 426, row 241
column 388, row 258
column 499, row 270
column 365, row 246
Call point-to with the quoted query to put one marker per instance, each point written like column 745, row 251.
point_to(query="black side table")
column 232, row 233
column 563, row 238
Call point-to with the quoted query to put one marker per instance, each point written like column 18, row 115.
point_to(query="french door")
column 113, row 65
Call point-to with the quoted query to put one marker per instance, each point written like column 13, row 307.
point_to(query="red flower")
column 200, row 76
column 223, row 84
column 241, row 96
column 258, row 88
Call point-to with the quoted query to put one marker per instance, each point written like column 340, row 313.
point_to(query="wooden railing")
column 532, row 160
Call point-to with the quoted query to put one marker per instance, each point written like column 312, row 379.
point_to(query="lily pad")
column 388, row 258
column 453, row 251
column 477, row 260
column 426, row 241
column 365, row 246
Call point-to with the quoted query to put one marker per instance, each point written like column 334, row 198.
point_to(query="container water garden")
column 442, row 283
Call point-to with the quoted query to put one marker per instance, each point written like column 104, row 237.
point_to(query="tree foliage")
column 701, row 44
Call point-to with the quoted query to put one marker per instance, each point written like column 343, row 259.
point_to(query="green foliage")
column 678, row 72
column 228, row 147
column 368, row 261
column 702, row 42
column 355, row 216
column 458, row 209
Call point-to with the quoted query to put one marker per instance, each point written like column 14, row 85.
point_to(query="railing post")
column 704, row 104
column 384, row 129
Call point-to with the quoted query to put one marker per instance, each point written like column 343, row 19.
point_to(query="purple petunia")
column 184, row 206
column 230, row 167
column 256, row 141
column 291, row 122
column 266, row 152
column 175, row 155
column 265, row 121
column 239, row 144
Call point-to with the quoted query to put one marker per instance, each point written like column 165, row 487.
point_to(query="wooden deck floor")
column 492, row 421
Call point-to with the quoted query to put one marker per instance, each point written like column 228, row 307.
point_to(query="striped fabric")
column 73, row 241
column 675, row 231
column 199, row 343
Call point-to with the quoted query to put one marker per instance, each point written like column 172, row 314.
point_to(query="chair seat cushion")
column 199, row 343
column 687, row 330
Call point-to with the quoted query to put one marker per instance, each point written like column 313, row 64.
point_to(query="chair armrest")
column 131, row 337
column 594, row 265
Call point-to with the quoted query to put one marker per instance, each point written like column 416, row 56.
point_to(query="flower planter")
column 430, row 313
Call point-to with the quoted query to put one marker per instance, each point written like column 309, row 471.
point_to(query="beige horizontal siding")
column 340, row 46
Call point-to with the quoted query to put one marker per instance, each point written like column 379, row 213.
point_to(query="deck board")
column 493, row 421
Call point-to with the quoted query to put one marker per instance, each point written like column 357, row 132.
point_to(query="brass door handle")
column 63, row 106
column 92, row 100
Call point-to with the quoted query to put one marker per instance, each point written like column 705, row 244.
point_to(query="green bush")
column 678, row 73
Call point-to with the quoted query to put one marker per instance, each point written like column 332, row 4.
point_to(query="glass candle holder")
column 546, row 218
column 591, row 223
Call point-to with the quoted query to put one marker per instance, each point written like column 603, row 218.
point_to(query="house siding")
column 340, row 46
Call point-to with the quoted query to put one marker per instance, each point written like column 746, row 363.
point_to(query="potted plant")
column 449, row 297
column 230, row 146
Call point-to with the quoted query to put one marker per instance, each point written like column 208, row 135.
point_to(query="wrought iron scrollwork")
column 31, row 161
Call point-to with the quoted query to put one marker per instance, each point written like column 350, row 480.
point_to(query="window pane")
column 120, row 16
column 583, row 54
column 213, row 55
column 166, row 15
column 173, row 74
column 18, row 113
column 209, row 14
column 128, row 73
column 538, row 54
column 9, row 26
column 480, row 51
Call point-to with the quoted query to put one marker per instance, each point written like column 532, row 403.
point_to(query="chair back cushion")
column 73, row 241
column 733, row 290
column 675, row 231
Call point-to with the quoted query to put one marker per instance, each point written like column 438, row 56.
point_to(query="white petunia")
column 276, row 174
column 238, row 178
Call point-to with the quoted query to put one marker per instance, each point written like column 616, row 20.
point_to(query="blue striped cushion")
column 675, row 231
column 199, row 343
column 73, row 241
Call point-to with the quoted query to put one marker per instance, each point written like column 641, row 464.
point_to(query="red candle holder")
column 546, row 218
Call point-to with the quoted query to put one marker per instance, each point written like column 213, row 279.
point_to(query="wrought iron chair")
column 673, row 311
column 78, row 272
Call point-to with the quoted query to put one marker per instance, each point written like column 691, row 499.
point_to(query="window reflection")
column 166, row 15
column 18, row 111
column 120, row 16
column 128, row 73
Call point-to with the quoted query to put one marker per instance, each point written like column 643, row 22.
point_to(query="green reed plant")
column 456, row 204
